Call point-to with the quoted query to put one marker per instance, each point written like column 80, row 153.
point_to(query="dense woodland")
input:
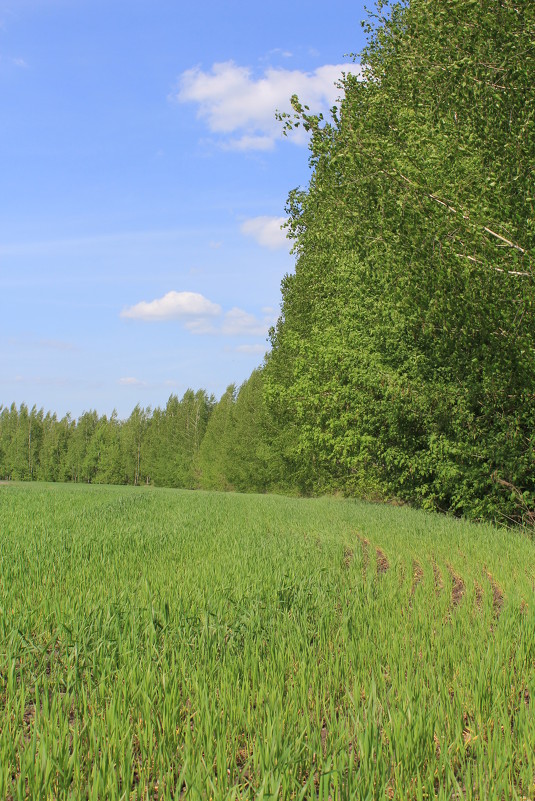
column 403, row 363
column 192, row 442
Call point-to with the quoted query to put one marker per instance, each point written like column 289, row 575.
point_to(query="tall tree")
column 403, row 359
column 54, row 445
column 23, row 433
column 106, row 447
column 247, row 450
column 9, row 420
column 195, row 408
column 133, row 433
column 81, row 460
column 212, row 460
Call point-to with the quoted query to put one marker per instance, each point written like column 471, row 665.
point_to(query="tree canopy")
column 403, row 360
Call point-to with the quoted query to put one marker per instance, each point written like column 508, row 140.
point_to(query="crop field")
column 165, row 644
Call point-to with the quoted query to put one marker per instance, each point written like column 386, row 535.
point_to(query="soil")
column 417, row 575
column 365, row 555
column 457, row 591
column 382, row 562
column 439, row 584
column 497, row 596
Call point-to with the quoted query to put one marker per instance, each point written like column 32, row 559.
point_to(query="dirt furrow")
column 458, row 588
column 417, row 575
column 497, row 596
column 365, row 554
column 479, row 595
column 439, row 584
column 382, row 562
column 348, row 556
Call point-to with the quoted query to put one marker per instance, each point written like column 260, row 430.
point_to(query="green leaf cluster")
column 403, row 361
column 193, row 442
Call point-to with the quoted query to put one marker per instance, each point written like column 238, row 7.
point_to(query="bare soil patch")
column 439, row 584
column 497, row 596
column 479, row 595
column 417, row 575
column 348, row 556
column 365, row 554
column 458, row 588
column 382, row 562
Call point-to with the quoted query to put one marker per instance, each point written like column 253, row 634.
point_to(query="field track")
column 159, row 644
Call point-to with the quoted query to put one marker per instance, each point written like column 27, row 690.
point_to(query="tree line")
column 403, row 362
column 193, row 442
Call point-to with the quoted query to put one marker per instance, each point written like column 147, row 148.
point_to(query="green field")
column 164, row 644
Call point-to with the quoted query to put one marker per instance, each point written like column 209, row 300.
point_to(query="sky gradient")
column 144, row 178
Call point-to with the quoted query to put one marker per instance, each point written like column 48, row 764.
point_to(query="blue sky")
column 144, row 179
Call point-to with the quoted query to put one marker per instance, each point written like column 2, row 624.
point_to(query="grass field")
column 163, row 644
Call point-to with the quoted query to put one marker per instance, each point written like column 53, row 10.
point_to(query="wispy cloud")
column 55, row 344
column 201, row 325
column 267, row 231
column 248, row 142
column 118, row 238
column 8, row 62
column 50, row 381
column 252, row 349
column 238, row 322
column 130, row 381
column 40, row 344
column 278, row 51
column 240, row 108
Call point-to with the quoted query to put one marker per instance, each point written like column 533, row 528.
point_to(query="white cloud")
column 266, row 231
column 241, row 107
column 199, row 316
column 174, row 306
column 250, row 143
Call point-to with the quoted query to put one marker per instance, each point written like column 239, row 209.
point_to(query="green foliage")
column 21, row 434
column 247, row 452
column 237, row 452
column 160, row 447
column 174, row 438
column 161, row 643
column 212, row 462
column 403, row 362
column 133, row 434
column 54, row 448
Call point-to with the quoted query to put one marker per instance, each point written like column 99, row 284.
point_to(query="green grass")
column 168, row 644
